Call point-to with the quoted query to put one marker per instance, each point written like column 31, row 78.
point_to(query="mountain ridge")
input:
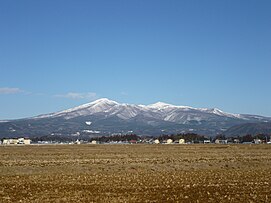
column 155, row 106
column 110, row 117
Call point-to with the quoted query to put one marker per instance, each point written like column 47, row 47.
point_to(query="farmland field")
column 135, row 173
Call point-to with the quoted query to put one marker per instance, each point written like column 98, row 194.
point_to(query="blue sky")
column 58, row 54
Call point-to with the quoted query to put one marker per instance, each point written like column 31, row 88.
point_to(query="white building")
column 218, row 141
column 10, row 141
column 181, row 141
column 27, row 141
column 15, row 141
column 257, row 141
column 169, row 141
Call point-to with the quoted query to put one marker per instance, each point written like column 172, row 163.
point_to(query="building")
column 20, row 140
column 257, row 141
column 11, row 141
column 15, row 141
column 169, row 141
column 23, row 140
column 236, row 141
column 181, row 141
column 133, row 141
column 27, row 141
column 218, row 141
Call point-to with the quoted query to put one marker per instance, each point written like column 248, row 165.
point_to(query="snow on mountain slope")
column 159, row 110
column 162, row 105
column 95, row 106
column 107, row 117
column 159, row 105
column 218, row 112
column 100, row 105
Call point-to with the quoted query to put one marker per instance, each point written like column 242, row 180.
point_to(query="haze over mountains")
column 107, row 117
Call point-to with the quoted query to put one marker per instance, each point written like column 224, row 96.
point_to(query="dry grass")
column 135, row 173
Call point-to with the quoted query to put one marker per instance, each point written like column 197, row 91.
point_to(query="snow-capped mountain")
column 161, row 110
column 105, row 117
column 127, row 111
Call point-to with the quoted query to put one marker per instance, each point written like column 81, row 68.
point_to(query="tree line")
column 188, row 137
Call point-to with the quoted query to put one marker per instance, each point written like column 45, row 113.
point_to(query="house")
column 181, row 141
column 236, row 141
column 9, row 141
column 169, row 141
column 156, row 141
column 206, row 141
column 20, row 140
column 27, row 141
column 16, row 141
column 23, row 140
column 218, row 141
column 257, row 141
column 133, row 141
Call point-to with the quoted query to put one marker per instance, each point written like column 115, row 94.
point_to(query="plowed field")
column 135, row 173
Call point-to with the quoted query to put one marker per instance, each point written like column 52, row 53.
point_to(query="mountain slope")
column 106, row 117
column 249, row 128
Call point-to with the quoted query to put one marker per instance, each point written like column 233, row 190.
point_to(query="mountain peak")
column 98, row 105
column 160, row 105
column 163, row 105
column 104, row 100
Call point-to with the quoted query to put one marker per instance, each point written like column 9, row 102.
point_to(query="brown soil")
column 135, row 173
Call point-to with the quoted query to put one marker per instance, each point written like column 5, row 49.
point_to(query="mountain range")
column 107, row 117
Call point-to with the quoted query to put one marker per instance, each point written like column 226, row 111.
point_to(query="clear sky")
column 57, row 54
